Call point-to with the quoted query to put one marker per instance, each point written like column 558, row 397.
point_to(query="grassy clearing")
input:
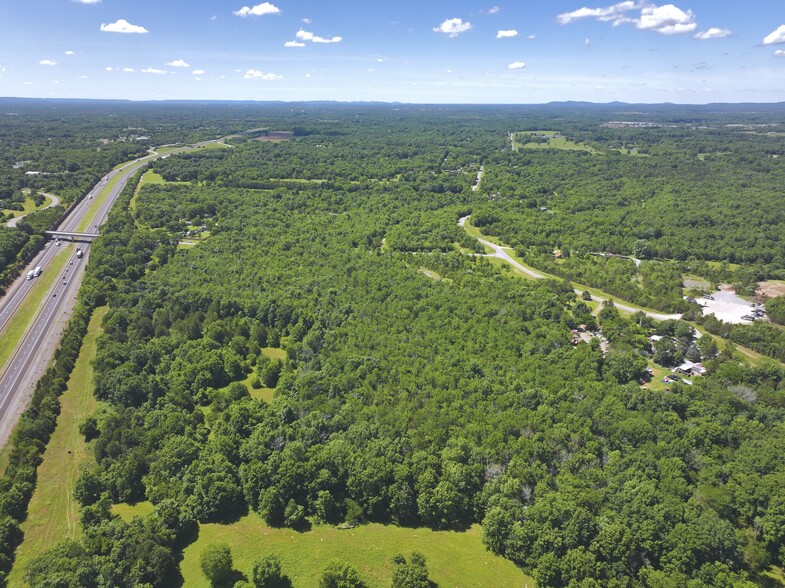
column 53, row 514
column 274, row 353
column 129, row 511
column 454, row 559
column 16, row 327
column 29, row 206
column 631, row 152
column 555, row 141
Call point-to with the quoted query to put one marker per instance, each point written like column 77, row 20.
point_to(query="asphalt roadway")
column 37, row 346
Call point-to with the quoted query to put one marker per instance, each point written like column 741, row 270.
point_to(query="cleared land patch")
column 53, row 514
column 454, row 558
column 548, row 140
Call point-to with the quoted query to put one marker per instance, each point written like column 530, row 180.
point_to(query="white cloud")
column 258, row 10
column 255, row 74
column 123, row 26
column 615, row 13
column 69, row 52
column 198, row 72
column 47, row 62
column 307, row 20
column 712, row 33
column 516, row 65
column 309, row 36
column 779, row 53
column 587, row 42
column 494, row 10
column 178, row 63
column 109, row 68
column 128, row 70
column 453, row 27
column 667, row 19
column 87, row 1
column 775, row 37
column 83, row 77
column 293, row 44
column 153, row 70
column 506, row 34
column 531, row 37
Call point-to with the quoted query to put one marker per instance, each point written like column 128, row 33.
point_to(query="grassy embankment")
column 16, row 327
column 53, row 514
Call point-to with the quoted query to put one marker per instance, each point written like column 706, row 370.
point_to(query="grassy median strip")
column 96, row 203
column 53, row 514
column 11, row 336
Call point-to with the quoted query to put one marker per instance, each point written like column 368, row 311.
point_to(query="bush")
column 216, row 564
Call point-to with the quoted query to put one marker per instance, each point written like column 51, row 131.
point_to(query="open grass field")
column 29, row 206
column 554, row 142
column 455, row 559
column 16, row 327
column 53, row 514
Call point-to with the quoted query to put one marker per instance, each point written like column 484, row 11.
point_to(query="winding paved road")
column 499, row 251
column 55, row 201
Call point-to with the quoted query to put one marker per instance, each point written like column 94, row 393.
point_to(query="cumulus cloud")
column 258, row 10
column 494, row 10
column 453, row 27
column 123, row 26
column 779, row 53
column 152, row 70
column 255, row 74
column 128, row 70
column 309, row 36
column 178, row 63
column 47, row 62
column 712, row 33
column 307, row 20
column 667, row 19
column 615, row 13
column 775, row 37
column 516, row 65
column 109, row 68
column 69, row 52
column 293, row 44
column 198, row 72
column 506, row 34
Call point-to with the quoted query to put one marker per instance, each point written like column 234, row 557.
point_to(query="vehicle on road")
column 30, row 274
column 37, row 271
column 79, row 253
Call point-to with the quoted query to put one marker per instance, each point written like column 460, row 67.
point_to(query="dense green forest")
column 422, row 385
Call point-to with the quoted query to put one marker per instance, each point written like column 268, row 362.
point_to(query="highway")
column 37, row 346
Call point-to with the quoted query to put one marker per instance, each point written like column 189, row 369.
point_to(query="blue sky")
column 465, row 51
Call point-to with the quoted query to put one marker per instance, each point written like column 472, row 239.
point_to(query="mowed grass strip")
column 455, row 559
column 16, row 327
column 53, row 514
column 96, row 203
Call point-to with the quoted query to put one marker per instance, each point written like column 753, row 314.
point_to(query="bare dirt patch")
column 275, row 137
column 771, row 289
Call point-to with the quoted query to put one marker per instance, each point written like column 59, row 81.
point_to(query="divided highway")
column 37, row 346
